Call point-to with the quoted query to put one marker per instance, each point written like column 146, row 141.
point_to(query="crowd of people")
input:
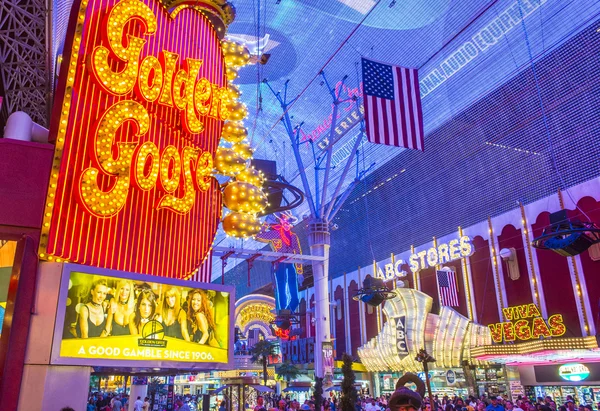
column 471, row 403
column 483, row 403
column 116, row 402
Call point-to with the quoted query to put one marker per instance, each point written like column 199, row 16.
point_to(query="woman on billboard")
column 199, row 324
column 171, row 314
column 120, row 309
column 92, row 319
column 145, row 310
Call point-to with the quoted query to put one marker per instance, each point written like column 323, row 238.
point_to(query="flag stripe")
column 402, row 112
column 419, row 111
column 380, row 121
column 371, row 112
column 400, row 142
column 389, row 124
column 413, row 100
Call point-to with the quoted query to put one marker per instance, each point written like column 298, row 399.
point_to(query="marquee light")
column 524, row 323
column 234, row 131
column 228, row 162
column 492, row 352
column 255, row 312
column 241, row 224
column 136, row 128
column 243, row 150
column 443, row 253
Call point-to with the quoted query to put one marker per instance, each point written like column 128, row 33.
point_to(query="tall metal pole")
column 321, row 216
column 319, row 242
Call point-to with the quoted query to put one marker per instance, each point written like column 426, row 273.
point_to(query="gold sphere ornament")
column 244, row 150
column 234, row 92
column 235, row 54
column 244, row 197
column 234, row 131
column 237, row 111
column 227, row 162
column 241, row 224
column 252, row 176
column 231, row 73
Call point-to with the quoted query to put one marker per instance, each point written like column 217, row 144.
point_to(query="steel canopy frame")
column 321, row 212
column 271, row 256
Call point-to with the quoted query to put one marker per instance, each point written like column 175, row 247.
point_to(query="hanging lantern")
column 228, row 163
column 234, row 131
column 237, row 111
column 252, row 176
column 244, row 197
column 241, row 225
column 243, row 150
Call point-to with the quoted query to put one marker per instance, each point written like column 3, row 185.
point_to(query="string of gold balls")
column 243, row 195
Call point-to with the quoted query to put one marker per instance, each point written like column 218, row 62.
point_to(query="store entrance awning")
column 218, row 390
column 296, row 389
column 261, row 388
column 334, row 388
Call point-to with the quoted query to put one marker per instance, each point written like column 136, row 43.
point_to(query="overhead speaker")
column 281, row 195
column 374, row 292
column 567, row 237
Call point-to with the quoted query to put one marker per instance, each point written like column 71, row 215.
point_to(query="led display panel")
column 108, row 318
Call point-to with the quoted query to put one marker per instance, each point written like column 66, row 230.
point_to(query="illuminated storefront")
column 537, row 306
column 103, row 228
column 448, row 336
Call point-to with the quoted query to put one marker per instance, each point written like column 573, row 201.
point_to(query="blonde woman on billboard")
column 199, row 324
column 120, row 309
column 171, row 314
column 92, row 319
column 145, row 310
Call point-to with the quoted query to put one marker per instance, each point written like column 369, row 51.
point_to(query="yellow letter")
column 184, row 204
column 97, row 201
column 466, row 249
column 122, row 82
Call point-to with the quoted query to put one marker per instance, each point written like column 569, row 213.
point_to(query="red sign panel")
column 137, row 119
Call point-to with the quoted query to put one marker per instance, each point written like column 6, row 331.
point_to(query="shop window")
column 7, row 258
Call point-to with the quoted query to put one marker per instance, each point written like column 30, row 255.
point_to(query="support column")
column 319, row 241
column 135, row 392
column 52, row 387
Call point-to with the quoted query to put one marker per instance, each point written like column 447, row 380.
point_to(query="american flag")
column 446, row 281
column 392, row 104
column 204, row 272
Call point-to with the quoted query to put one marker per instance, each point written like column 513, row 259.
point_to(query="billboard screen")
column 110, row 318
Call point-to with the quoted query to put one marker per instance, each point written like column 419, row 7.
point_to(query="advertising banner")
column 327, row 357
column 286, row 282
column 111, row 318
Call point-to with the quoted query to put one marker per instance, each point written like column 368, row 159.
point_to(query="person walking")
column 138, row 404
column 117, row 405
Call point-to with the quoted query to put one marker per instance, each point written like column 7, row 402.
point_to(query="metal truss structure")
column 322, row 208
column 24, row 75
column 270, row 256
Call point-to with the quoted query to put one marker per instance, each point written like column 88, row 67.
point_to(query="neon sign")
column 255, row 312
column 524, row 323
column 140, row 105
column 443, row 253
